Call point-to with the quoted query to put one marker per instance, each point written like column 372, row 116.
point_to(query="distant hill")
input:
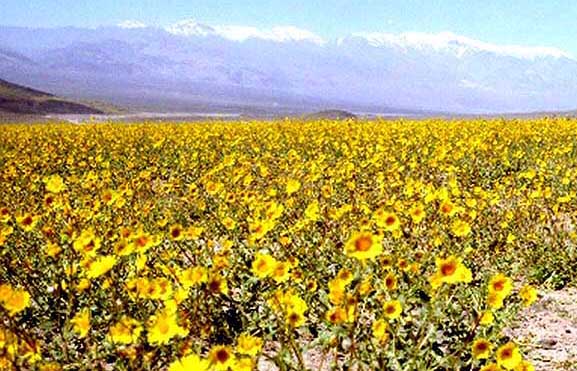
column 16, row 99
column 331, row 115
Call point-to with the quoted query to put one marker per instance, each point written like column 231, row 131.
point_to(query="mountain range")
column 190, row 66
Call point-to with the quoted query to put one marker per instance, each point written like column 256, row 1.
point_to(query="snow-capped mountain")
column 192, row 28
column 460, row 46
column 192, row 64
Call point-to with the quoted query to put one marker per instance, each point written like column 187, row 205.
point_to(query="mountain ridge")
column 268, row 69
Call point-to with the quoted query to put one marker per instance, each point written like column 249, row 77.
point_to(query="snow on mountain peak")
column 131, row 24
column 243, row 33
column 278, row 34
column 190, row 27
column 456, row 44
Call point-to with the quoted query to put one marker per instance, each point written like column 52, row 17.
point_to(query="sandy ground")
column 548, row 331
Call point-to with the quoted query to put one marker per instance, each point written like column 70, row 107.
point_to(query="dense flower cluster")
column 233, row 246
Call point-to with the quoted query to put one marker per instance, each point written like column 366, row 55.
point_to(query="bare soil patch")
column 548, row 331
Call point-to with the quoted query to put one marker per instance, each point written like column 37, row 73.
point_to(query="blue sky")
column 523, row 22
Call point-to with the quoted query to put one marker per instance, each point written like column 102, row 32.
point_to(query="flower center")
column 222, row 355
column 448, row 269
column 363, row 244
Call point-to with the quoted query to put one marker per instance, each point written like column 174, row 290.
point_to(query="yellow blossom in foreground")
column 82, row 285
column 295, row 319
column 481, row 349
column 491, row 367
column 163, row 326
column 143, row 241
column 292, row 186
column 494, row 300
column 528, row 294
column 339, row 315
column 229, row 223
column 511, row 238
column 244, row 364
column 387, row 220
column 390, row 281
column 336, row 291
column 447, row 208
column 217, row 285
column 14, row 300
column 49, row 366
column 292, row 305
column 312, row 211
column 460, row 228
column 258, row 229
column 345, row 277
column 379, row 328
column 392, row 309
column 249, row 345
column 508, row 356
column 450, row 270
column 281, row 272
column 81, row 322
column 417, row 213
column 191, row 362
column 176, row 232
column 54, row 184
column 192, row 276
column 123, row 248
column 221, row 358
column 125, row 331
column 52, row 250
column 27, row 222
column 4, row 215
column 363, row 245
column 263, row 265
column 525, row 366
column 87, row 243
column 487, row 318
column 500, row 285
column 100, row 266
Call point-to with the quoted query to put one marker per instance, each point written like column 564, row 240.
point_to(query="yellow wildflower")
column 528, row 294
column 460, row 228
column 221, row 358
column 100, row 266
column 363, row 245
column 392, row 309
column 450, row 270
column 14, row 300
column 249, row 345
column 263, row 265
column 125, row 331
column 81, row 322
column 191, row 362
column 508, row 356
column 163, row 326
column 54, row 184
column 379, row 328
column 481, row 349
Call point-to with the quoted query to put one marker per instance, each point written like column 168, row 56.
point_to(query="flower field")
column 381, row 245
